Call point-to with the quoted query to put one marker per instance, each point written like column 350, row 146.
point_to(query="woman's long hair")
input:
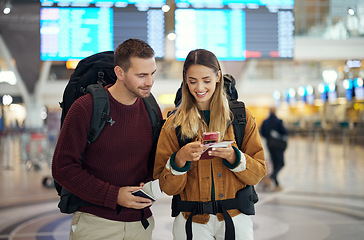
column 187, row 114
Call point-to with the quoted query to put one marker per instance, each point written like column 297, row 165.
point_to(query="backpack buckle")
column 207, row 207
column 101, row 75
column 240, row 119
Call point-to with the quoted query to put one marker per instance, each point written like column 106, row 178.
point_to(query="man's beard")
column 134, row 92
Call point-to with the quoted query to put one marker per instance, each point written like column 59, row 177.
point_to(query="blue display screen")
column 75, row 33
column 47, row 2
column 235, row 34
column 227, row 2
column 224, row 36
column 69, row 33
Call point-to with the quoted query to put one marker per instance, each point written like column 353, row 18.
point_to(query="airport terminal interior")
column 305, row 57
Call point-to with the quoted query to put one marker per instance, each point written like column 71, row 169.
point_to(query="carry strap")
column 181, row 141
column 239, row 121
column 101, row 111
column 221, row 206
column 153, row 110
column 212, row 207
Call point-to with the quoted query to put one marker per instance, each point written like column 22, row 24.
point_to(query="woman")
column 205, row 108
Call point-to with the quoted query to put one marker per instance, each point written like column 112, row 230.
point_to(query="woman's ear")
column 218, row 76
column 119, row 72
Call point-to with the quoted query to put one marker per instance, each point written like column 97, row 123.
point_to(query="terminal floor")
column 322, row 196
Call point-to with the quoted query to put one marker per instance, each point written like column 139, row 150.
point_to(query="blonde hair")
column 187, row 114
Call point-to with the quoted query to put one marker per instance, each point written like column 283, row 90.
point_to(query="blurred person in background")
column 276, row 135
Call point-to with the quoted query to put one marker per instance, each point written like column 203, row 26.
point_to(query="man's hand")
column 127, row 199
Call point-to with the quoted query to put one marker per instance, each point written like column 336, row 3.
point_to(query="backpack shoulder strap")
column 181, row 141
column 100, row 113
column 153, row 111
column 239, row 121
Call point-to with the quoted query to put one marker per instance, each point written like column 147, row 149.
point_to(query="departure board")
column 75, row 33
column 63, row 3
column 145, row 25
column 209, row 3
column 220, row 31
column 269, row 34
column 236, row 34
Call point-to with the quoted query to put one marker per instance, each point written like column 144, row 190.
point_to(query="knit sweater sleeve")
column 67, row 167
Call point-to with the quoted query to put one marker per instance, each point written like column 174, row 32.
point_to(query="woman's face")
column 201, row 82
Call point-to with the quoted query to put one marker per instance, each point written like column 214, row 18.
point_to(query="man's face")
column 139, row 78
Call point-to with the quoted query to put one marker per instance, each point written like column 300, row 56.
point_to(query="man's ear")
column 119, row 72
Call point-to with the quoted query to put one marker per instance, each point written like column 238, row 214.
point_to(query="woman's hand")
column 189, row 152
column 227, row 153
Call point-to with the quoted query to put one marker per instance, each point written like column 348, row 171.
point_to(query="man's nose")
column 149, row 80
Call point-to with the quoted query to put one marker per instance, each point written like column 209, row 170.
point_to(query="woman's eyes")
column 205, row 81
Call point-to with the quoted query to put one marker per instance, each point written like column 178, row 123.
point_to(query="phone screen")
column 210, row 137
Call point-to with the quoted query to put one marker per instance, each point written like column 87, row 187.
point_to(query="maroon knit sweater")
column 117, row 158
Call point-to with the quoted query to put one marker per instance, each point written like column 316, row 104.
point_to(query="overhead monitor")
column 110, row 3
column 234, row 3
column 224, row 36
column 235, row 34
column 75, row 33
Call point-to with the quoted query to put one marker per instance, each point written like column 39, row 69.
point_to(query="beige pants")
column 87, row 226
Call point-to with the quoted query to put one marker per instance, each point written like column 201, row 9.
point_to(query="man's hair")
column 131, row 48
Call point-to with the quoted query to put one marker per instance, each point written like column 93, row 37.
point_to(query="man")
column 270, row 125
column 116, row 164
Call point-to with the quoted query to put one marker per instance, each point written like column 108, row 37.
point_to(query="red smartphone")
column 209, row 138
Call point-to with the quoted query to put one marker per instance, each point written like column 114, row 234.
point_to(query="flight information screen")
column 75, row 33
column 72, row 33
column 63, row 3
column 224, row 36
column 145, row 25
column 252, row 30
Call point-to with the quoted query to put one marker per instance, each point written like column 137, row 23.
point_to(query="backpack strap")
column 181, row 141
column 239, row 121
column 246, row 197
column 100, row 113
column 153, row 110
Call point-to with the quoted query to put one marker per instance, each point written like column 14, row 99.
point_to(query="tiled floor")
column 322, row 197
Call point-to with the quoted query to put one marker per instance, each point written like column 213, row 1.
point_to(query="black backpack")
column 245, row 198
column 236, row 107
column 90, row 76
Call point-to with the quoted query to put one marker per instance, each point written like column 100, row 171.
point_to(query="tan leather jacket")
column 195, row 185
